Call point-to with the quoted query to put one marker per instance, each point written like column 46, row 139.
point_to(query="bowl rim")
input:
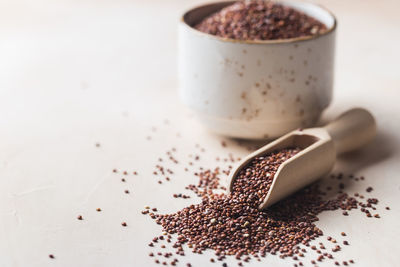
column 276, row 41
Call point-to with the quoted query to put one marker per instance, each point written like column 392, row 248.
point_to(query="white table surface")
column 73, row 73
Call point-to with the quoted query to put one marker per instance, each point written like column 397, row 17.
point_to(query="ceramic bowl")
column 256, row 89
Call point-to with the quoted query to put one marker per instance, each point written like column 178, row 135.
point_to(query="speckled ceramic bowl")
column 256, row 89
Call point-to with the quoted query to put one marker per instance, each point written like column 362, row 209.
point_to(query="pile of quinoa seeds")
column 232, row 226
column 260, row 20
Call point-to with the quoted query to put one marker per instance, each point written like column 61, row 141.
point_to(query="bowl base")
column 255, row 129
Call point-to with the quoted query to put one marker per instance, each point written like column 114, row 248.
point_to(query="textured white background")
column 73, row 73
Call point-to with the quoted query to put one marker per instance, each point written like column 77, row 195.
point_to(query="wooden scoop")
column 320, row 147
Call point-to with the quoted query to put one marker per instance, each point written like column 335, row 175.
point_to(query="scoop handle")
column 352, row 130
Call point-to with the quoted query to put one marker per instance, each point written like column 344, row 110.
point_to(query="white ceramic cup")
column 256, row 89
